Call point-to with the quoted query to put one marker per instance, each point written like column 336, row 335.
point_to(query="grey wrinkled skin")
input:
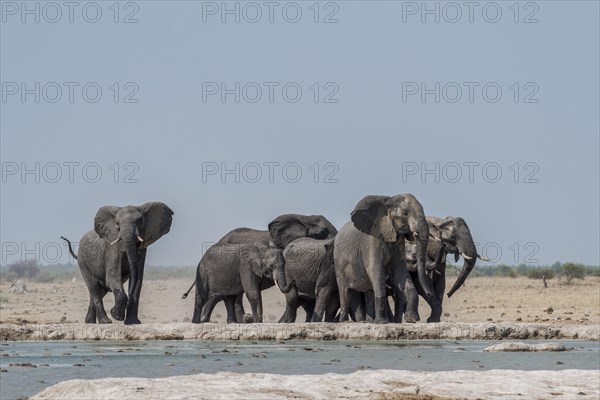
column 105, row 266
column 454, row 237
column 371, row 247
column 282, row 230
column 309, row 264
column 226, row 271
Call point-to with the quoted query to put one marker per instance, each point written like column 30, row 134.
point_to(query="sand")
column 481, row 300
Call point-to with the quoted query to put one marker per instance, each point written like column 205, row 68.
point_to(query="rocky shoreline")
column 297, row 331
column 378, row 384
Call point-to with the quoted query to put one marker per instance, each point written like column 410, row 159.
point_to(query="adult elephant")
column 309, row 263
column 114, row 251
column 226, row 271
column 371, row 247
column 282, row 230
column 450, row 235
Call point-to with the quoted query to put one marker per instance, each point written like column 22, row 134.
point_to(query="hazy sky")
column 498, row 104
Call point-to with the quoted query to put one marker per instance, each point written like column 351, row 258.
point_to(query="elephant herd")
column 388, row 248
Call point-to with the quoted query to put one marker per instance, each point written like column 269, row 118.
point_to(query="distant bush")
column 505, row 270
column 25, row 269
column 592, row 271
column 8, row 276
column 45, row 277
column 572, row 271
column 538, row 273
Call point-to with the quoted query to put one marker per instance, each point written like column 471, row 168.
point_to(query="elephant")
column 282, row 230
column 226, row 271
column 371, row 247
column 451, row 235
column 309, row 263
column 115, row 251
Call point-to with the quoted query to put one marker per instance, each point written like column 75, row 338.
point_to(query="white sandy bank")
column 301, row 331
column 493, row 384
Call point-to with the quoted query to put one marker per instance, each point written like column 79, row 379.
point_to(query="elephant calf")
column 229, row 270
column 309, row 263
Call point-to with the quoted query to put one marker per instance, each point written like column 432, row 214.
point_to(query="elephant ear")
column 158, row 218
column 287, row 228
column 370, row 216
column 329, row 250
column 319, row 227
column 105, row 223
column 445, row 222
column 251, row 259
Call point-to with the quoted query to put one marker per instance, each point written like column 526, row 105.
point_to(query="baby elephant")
column 228, row 270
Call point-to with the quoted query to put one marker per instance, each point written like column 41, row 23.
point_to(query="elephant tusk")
column 140, row 238
column 483, row 258
column 435, row 238
column 115, row 241
column 415, row 234
column 437, row 272
column 466, row 257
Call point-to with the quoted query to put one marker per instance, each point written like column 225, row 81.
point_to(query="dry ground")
column 481, row 299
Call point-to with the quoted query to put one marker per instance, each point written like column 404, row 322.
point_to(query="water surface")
column 59, row 361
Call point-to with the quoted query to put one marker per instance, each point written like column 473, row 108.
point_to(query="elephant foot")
column 412, row 318
column 117, row 314
column 90, row 320
column 104, row 320
column 132, row 321
column 230, row 321
column 381, row 321
column 118, row 311
column 433, row 319
column 248, row 319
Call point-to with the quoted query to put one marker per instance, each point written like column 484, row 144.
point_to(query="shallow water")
column 59, row 361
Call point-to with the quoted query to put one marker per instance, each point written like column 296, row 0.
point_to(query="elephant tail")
column 185, row 295
column 70, row 248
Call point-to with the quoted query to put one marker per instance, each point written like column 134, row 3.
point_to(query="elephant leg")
column 199, row 302
column 399, row 278
column 96, row 305
column 345, row 296
column 439, row 282
column 333, row 305
column 230, row 306
column 135, row 289
column 255, row 299
column 323, row 296
column 114, row 282
column 411, row 314
column 291, row 307
column 309, row 308
column 357, row 306
column 239, row 308
column 90, row 317
column 375, row 270
column 208, row 308
column 369, row 306
column 389, row 312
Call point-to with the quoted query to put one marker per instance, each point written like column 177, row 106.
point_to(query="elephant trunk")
column 424, row 278
column 130, row 244
column 281, row 281
column 469, row 253
column 421, row 246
